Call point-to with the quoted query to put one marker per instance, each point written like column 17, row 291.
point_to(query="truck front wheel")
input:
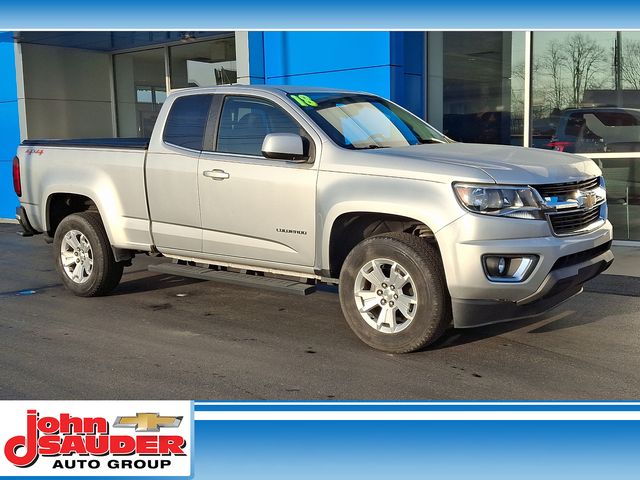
column 393, row 292
column 83, row 255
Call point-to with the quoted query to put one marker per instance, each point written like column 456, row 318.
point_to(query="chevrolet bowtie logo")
column 587, row 200
column 147, row 422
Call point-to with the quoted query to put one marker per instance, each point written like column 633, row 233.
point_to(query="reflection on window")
column 160, row 96
column 623, row 195
column 187, row 120
column 482, row 96
column 245, row 122
column 144, row 95
column 359, row 121
column 153, row 95
column 203, row 64
column 586, row 100
column 586, row 95
column 140, row 90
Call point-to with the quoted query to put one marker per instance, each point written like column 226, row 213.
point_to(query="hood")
column 499, row 163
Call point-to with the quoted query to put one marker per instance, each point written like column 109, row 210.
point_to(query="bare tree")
column 553, row 62
column 517, row 90
column 631, row 64
column 585, row 59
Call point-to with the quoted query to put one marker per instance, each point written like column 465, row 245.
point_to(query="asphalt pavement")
column 163, row 337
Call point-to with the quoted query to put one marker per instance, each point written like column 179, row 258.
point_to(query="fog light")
column 508, row 268
column 502, row 266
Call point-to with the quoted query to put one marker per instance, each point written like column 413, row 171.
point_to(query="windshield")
column 358, row 121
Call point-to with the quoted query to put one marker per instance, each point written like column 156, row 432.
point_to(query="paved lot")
column 162, row 337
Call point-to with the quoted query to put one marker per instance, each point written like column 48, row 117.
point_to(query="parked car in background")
column 598, row 129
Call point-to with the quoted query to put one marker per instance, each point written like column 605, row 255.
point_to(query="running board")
column 233, row 278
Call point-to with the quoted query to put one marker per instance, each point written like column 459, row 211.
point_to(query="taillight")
column 559, row 146
column 17, row 184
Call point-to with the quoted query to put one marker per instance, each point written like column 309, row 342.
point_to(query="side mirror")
column 284, row 146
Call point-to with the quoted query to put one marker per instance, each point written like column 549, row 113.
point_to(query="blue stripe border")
column 358, row 14
column 311, row 406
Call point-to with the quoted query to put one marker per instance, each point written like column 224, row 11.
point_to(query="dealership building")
column 570, row 91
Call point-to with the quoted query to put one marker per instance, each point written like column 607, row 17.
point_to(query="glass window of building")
column 476, row 85
column 586, row 100
column 140, row 91
column 203, row 64
column 586, row 91
column 577, row 92
column 623, row 195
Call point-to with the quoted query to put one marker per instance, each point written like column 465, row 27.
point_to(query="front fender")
column 430, row 203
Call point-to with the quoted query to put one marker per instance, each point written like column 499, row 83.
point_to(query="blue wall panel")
column 353, row 60
column 9, row 124
column 256, row 58
column 390, row 64
column 408, row 87
column 374, row 80
column 8, row 90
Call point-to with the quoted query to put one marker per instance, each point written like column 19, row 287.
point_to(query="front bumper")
column 564, row 265
column 560, row 285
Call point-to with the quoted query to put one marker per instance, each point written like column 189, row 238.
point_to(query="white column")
column 242, row 58
column 22, row 107
column 528, row 65
column 435, row 78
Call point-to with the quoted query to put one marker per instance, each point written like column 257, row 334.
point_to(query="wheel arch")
column 349, row 228
column 59, row 204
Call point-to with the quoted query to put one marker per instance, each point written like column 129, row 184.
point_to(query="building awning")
column 109, row 41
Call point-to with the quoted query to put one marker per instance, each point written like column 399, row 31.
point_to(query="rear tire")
column 83, row 256
column 393, row 292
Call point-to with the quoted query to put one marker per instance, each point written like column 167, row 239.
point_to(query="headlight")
column 519, row 202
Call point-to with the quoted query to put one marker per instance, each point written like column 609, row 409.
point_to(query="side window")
column 574, row 124
column 616, row 119
column 245, row 121
column 187, row 121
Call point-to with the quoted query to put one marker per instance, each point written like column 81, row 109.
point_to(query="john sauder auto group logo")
column 88, row 442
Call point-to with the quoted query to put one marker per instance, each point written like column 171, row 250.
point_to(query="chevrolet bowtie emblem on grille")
column 587, row 199
column 147, row 422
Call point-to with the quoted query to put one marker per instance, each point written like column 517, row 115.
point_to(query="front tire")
column 393, row 292
column 83, row 256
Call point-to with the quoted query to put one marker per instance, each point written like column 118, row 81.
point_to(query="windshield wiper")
column 431, row 140
column 371, row 147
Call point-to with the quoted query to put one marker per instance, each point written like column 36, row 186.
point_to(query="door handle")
column 216, row 174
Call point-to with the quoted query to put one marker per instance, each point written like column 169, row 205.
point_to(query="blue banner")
column 453, row 440
column 332, row 14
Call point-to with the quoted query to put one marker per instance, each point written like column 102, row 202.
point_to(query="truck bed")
column 128, row 143
column 109, row 172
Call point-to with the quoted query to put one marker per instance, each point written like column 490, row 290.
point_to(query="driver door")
column 252, row 207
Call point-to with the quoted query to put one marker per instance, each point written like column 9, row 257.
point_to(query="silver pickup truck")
column 298, row 186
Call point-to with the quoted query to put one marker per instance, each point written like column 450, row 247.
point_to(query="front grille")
column 573, row 221
column 563, row 189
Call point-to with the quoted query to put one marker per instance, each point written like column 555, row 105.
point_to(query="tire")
column 415, row 313
column 99, row 273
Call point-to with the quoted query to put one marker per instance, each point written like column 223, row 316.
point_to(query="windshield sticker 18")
column 304, row 100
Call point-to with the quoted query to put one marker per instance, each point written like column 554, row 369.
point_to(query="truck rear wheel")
column 393, row 292
column 83, row 256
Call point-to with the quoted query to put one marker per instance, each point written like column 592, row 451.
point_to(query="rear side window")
column 187, row 121
column 245, row 121
column 617, row 119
